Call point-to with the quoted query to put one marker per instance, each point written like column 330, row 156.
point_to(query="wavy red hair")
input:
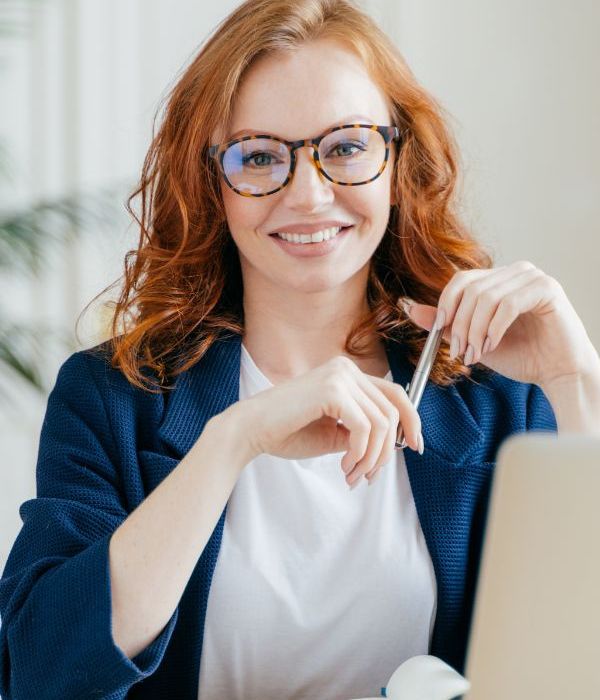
column 182, row 286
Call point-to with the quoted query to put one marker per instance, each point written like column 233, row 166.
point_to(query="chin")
column 314, row 283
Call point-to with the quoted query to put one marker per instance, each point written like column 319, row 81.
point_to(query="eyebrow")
column 351, row 119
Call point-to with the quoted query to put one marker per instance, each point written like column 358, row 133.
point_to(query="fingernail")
column 469, row 355
column 486, row 345
column 421, row 444
column 440, row 319
column 454, row 347
column 355, row 483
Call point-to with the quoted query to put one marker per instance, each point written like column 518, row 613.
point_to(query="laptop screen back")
column 536, row 620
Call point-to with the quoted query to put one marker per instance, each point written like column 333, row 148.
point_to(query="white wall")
column 517, row 78
column 521, row 80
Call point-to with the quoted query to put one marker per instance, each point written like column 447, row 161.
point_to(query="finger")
column 342, row 404
column 350, row 405
column 477, row 292
column 540, row 289
column 501, row 302
column 379, row 428
column 392, row 400
column 451, row 298
column 372, row 460
column 393, row 417
column 410, row 420
column 399, row 397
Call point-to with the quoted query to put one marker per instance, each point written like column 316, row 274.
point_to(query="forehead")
column 300, row 93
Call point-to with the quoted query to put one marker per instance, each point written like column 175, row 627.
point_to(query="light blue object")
column 424, row 677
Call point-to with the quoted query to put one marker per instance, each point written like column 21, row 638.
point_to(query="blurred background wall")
column 81, row 81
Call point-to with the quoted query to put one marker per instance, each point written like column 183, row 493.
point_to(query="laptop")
column 536, row 622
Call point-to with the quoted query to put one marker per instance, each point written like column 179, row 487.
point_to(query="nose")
column 308, row 189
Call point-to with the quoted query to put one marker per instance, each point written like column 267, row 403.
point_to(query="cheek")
column 371, row 202
column 243, row 213
column 233, row 207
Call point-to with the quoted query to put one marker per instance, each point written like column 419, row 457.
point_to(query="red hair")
column 182, row 285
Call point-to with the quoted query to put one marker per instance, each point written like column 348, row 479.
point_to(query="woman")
column 207, row 446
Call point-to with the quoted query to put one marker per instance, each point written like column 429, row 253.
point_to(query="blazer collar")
column 211, row 385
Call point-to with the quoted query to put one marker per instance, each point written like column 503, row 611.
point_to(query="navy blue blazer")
column 105, row 445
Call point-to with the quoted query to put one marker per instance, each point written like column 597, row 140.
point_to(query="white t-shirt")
column 318, row 592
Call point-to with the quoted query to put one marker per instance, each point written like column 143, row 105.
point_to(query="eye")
column 344, row 148
column 259, row 159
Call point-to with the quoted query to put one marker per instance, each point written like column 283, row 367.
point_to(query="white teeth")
column 316, row 237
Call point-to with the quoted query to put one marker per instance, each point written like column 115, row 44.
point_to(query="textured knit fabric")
column 105, row 445
column 366, row 555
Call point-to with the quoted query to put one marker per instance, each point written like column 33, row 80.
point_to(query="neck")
column 289, row 334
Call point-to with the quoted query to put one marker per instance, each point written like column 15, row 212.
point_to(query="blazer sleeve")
column 55, row 597
column 540, row 415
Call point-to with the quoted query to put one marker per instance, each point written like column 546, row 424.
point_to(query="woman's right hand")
column 299, row 418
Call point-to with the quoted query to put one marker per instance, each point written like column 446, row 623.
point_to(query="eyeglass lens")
column 260, row 165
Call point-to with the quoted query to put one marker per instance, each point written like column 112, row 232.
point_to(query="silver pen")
column 416, row 386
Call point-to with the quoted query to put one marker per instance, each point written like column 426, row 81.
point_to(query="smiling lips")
column 316, row 237
column 317, row 232
column 294, row 245
column 308, row 228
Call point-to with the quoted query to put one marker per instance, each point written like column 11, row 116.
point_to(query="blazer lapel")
column 449, row 429
column 206, row 389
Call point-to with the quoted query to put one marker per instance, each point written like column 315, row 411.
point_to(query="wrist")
column 575, row 400
column 233, row 433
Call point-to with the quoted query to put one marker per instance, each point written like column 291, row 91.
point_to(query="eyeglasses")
column 350, row 154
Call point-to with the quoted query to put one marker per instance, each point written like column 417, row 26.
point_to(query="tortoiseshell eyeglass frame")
column 389, row 133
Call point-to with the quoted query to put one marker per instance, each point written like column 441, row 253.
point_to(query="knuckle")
column 470, row 293
column 523, row 265
column 364, row 426
column 553, row 284
column 381, row 421
column 478, row 287
column 344, row 363
column 536, row 272
column 488, row 296
column 401, row 394
column 334, row 385
column 509, row 304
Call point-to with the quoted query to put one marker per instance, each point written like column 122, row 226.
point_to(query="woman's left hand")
column 534, row 333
